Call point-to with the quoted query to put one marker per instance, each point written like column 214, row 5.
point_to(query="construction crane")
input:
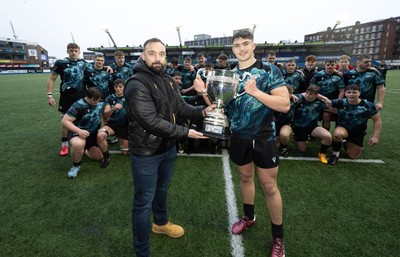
column 108, row 33
column 12, row 27
column 178, row 28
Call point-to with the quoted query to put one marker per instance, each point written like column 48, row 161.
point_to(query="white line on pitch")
column 392, row 92
column 237, row 249
column 340, row 159
column 281, row 158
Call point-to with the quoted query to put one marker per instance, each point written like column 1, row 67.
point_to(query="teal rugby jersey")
column 329, row 84
column 248, row 116
column 71, row 73
column 367, row 81
column 87, row 117
column 119, row 117
column 354, row 117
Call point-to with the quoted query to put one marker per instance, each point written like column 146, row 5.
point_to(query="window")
column 362, row 30
column 374, row 28
column 368, row 29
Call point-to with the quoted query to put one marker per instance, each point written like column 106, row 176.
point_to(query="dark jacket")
column 154, row 103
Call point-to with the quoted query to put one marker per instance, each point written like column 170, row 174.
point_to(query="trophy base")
column 216, row 131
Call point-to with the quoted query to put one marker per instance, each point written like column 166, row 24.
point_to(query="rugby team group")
column 155, row 109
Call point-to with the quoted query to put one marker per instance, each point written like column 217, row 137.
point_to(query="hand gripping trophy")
column 222, row 86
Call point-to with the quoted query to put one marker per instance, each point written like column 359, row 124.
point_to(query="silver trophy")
column 222, row 86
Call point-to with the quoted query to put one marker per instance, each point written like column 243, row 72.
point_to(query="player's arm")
column 278, row 100
column 377, row 129
column 381, row 96
column 108, row 110
column 68, row 122
column 50, row 86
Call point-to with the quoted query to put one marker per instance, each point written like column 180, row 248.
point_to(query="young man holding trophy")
column 259, row 91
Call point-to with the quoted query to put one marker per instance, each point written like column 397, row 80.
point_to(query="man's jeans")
column 151, row 177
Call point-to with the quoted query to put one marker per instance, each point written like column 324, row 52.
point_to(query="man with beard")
column 154, row 104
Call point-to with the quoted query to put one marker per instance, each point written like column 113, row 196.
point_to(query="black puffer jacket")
column 154, row 103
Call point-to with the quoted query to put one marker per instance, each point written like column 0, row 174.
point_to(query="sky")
column 55, row 23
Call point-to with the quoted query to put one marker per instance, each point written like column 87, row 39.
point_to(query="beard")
column 157, row 67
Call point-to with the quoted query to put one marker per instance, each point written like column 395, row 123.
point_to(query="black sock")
column 76, row 164
column 106, row 154
column 336, row 146
column 277, row 230
column 249, row 211
column 283, row 146
column 64, row 139
column 324, row 148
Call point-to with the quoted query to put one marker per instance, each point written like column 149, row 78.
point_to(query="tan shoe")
column 322, row 158
column 169, row 229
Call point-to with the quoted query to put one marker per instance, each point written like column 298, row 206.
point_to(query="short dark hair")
column 352, row 87
column 223, row 57
column 119, row 53
column 243, row 34
column 311, row 58
column 73, row 46
column 152, row 40
column 93, row 93
column 200, row 55
column 174, row 60
column 176, row 73
column 363, row 56
column 119, row 81
column 330, row 61
column 313, row 89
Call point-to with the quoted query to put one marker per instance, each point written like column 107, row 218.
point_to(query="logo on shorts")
column 274, row 159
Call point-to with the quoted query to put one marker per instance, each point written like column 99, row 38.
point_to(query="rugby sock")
column 336, row 146
column 64, row 141
column 106, row 154
column 277, row 230
column 249, row 210
column 77, row 164
column 324, row 148
column 283, row 146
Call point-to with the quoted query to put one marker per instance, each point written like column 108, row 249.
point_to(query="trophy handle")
column 201, row 69
column 245, row 74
